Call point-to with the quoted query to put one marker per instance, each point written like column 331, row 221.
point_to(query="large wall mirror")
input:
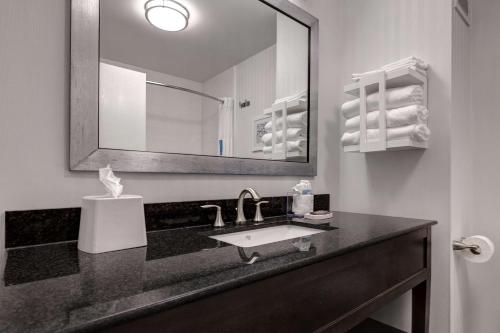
column 194, row 86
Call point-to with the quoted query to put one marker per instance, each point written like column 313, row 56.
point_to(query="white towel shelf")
column 396, row 78
column 282, row 109
column 393, row 145
column 294, row 106
column 372, row 83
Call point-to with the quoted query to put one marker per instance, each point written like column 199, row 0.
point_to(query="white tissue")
column 487, row 249
column 303, row 187
column 110, row 181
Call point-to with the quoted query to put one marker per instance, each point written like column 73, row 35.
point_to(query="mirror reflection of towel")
column 292, row 146
column 292, row 134
column 295, row 120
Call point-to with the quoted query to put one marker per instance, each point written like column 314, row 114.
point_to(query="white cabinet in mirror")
column 178, row 91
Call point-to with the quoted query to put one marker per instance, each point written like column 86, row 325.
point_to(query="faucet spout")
column 241, row 214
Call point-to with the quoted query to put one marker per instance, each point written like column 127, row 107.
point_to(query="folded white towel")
column 268, row 126
column 291, row 134
column 395, row 98
column 410, row 62
column 268, row 138
column 301, row 95
column 292, row 146
column 407, row 115
column 419, row 132
column 295, row 120
column 357, row 76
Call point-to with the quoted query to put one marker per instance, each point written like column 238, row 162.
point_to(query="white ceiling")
column 221, row 34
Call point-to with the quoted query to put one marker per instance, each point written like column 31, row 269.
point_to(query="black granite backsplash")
column 35, row 227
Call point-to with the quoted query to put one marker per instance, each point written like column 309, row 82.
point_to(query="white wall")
column 34, row 124
column 475, row 298
column 255, row 81
column 34, row 127
column 173, row 117
column 222, row 85
column 122, row 108
column 408, row 183
column 461, row 170
column 292, row 57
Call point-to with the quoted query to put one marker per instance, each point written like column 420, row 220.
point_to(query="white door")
column 475, row 288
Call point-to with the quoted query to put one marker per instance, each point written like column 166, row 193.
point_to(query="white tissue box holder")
column 111, row 224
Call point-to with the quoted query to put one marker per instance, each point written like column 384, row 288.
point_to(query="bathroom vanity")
column 186, row 281
column 232, row 91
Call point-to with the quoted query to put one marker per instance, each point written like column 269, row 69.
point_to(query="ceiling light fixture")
column 167, row 15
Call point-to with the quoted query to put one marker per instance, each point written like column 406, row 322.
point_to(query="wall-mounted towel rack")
column 282, row 109
column 380, row 82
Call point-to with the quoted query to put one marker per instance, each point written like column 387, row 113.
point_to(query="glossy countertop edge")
column 157, row 307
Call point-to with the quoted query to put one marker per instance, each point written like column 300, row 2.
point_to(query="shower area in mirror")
column 190, row 97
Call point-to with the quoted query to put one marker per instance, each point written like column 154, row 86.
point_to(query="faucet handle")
column 258, row 214
column 219, row 223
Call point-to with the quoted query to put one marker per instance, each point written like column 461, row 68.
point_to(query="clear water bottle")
column 302, row 199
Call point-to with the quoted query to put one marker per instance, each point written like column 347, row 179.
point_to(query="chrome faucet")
column 241, row 214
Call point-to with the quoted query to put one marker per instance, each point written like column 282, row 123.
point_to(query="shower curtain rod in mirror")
column 185, row 89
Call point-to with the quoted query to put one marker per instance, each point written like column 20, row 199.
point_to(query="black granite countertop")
column 55, row 287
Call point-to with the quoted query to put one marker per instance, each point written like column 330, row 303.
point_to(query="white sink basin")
column 268, row 235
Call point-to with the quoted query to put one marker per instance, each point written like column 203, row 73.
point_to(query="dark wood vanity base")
column 330, row 296
column 373, row 326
